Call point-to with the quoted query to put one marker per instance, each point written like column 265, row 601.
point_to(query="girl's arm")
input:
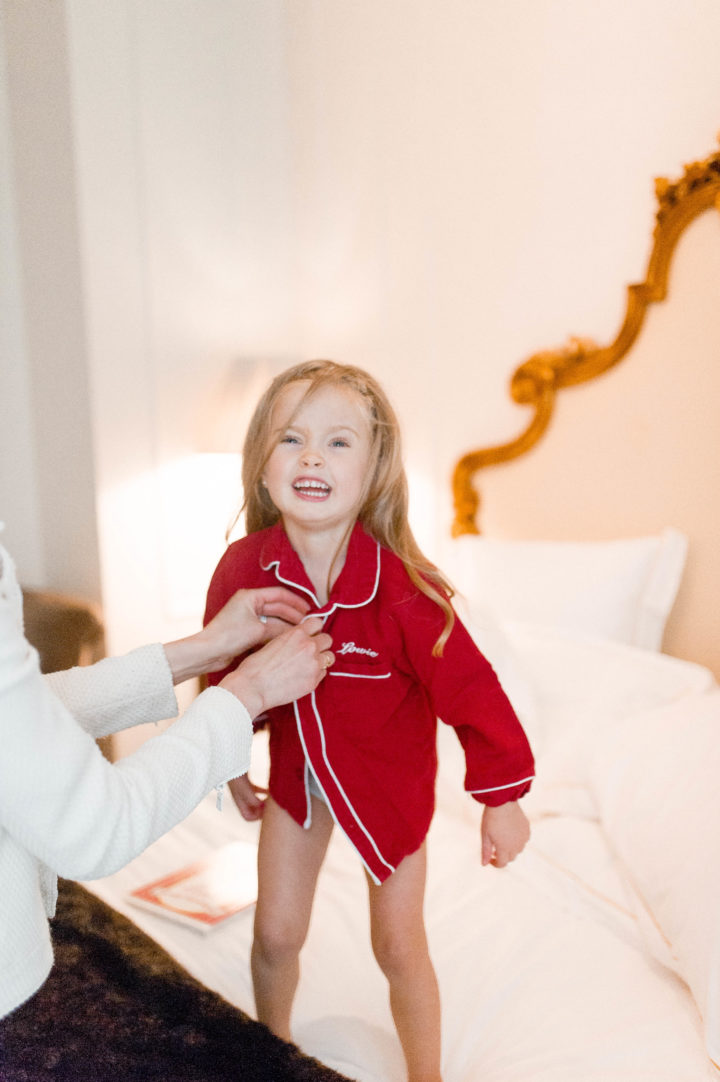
column 466, row 693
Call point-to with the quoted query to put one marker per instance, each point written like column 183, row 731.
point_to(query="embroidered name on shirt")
column 351, row 648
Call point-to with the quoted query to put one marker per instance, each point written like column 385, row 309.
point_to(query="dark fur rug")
column 117, row 1008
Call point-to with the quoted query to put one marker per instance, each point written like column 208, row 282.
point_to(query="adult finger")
column 283, row 604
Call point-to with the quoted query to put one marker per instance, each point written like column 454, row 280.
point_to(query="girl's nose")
column 311, row 457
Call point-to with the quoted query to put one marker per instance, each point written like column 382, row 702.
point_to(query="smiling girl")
column 326, row 516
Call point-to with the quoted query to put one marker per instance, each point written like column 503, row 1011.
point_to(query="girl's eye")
column 288, row 438
column 340, row 442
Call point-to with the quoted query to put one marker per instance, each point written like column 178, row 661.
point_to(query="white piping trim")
column 308, row 802
column 510, row 785
column 359, row 604
column 340, row 790
column 338, row 604
column 361, row 676
column 288, row 582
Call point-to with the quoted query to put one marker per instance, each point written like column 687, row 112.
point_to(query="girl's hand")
column 245, row 794
column 505, row 832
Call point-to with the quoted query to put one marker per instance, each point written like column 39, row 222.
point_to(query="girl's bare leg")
column 400, row 946
column 289, row 861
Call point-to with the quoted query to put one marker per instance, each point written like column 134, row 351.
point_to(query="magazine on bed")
column 207, row 893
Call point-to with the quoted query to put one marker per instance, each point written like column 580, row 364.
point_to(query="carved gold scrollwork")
column 536, row 382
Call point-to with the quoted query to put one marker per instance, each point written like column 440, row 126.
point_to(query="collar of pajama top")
column 357, row 583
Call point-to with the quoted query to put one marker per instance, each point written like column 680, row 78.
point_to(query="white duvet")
column 592, row 958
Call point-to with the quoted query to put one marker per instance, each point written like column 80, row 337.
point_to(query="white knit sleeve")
column 118, row 692
column 61, row 799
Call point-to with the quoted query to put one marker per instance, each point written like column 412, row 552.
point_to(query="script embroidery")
column 351, row 648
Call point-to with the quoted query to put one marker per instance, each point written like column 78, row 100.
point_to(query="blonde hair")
column 383, row 506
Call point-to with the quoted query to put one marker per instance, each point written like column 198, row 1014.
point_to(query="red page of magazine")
column 207, row 893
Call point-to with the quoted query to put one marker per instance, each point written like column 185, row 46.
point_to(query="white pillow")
column 655, row 777
column 579, row 681
column 621, row 590
column 582, row 685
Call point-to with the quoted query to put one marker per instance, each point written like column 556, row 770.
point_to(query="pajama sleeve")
column 465, row 692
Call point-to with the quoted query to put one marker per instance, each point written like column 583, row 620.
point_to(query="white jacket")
column 63, row 806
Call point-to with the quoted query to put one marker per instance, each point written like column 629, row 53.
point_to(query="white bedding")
column 560, row 967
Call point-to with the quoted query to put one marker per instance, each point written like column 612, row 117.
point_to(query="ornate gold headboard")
column 536, row 382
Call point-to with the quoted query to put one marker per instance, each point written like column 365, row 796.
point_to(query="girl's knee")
column 399, row 953
column 277, row 938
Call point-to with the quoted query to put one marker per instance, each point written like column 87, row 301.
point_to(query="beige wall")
column 639, row 448
column 432, row 190
column 475, row 182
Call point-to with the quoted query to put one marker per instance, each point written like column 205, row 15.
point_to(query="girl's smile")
column 309, row 489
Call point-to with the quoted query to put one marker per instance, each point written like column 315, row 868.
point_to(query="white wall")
column 18, row 473
column 47, row 484
column 180, row 137
column 431, row 190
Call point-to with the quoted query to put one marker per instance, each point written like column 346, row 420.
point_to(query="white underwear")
column 314, row 786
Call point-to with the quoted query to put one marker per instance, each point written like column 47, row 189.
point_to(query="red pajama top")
column 369, row 729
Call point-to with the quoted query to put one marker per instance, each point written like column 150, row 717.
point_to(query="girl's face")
column 320, row 458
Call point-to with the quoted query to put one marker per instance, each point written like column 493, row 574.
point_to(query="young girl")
column 326, row 515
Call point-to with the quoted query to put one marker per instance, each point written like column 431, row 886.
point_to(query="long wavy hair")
column 383, row 505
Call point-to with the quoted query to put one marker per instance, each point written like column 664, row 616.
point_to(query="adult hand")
column 290, row 666
column 505, row 832
column 250, row 617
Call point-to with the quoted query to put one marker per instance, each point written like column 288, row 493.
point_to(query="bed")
column 595, row 956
